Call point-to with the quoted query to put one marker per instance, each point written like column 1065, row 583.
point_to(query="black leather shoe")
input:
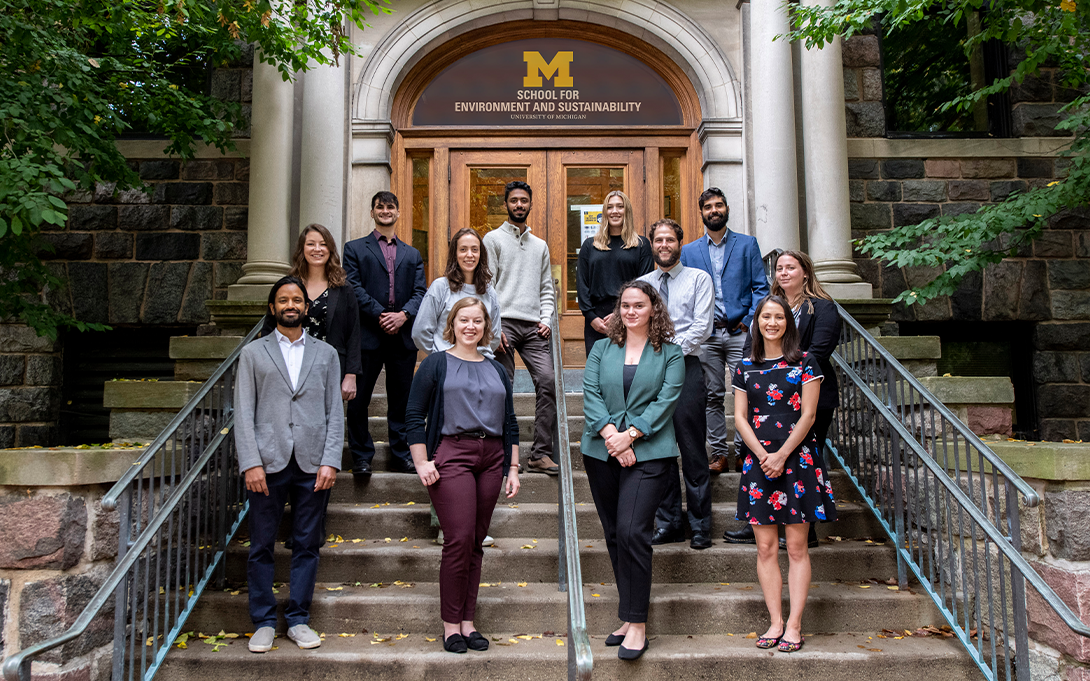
column 700, row 541
column 398, row 466
column 614, row 640
column 455, row 643
column 742, row 536
column 629, row 654
column 666, row 537
column 477, row 642
column 362, row 469
column 811, row 542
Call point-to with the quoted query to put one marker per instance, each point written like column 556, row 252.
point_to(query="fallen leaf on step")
column 730, row 634
column 512, row 505
column 524, row 637
column 429, row 640
column 864, row 586
column 894, row 588
column 522, row 583
column 527, row 546
column 411, row 503
column 332, row 546
column 233, row 593
column 597, row 595
column 511, row 640
column 346, row 635
column 404, row 539
column 334, row 588
column 559, row 642
column 376, row 505
column 387, row 540
column 753, row 634
column 356, row 541
column 376, row 585
column 724, row 583
column 534, row 540
column 401, row 636
column 875, row 650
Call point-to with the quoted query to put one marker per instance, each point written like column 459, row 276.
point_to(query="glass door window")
column 585, row 191
column 486, row 187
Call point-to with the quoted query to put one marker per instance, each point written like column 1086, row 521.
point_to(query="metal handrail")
column 183, row 501
column 895, row 440
column 580, row 657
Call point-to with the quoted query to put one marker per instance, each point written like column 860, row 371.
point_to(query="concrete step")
column 417, row 559
column 536, row 607
column 401, row 488
column 840, row 657
column 520, row 519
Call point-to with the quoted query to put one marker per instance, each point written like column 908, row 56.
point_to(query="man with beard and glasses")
column 734, row 262
column 690, row 298
column 289, row 432
column 524, row 283
column 387, row 275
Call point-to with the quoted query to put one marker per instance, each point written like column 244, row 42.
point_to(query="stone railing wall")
column 57, row 546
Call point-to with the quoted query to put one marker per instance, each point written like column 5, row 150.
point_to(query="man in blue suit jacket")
column 388, row 277
column 734, row 262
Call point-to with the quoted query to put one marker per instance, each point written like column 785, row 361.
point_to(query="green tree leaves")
column 74, row 75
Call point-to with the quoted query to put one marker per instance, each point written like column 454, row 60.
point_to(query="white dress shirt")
column 293, row 355
column 692, row 299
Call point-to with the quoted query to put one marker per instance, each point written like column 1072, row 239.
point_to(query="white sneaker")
column 439, row 539
column 304, row 636
column 262, row 640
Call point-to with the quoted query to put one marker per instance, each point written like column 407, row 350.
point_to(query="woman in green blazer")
column 630, row 388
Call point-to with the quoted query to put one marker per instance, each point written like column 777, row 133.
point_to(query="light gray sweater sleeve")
column 426, row 324
column 548, row 292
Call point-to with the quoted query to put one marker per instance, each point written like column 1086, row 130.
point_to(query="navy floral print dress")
column 802, row 494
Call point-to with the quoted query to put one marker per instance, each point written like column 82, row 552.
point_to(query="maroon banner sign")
column 548, row 81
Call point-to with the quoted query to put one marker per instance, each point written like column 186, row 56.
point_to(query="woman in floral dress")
column 783, row 476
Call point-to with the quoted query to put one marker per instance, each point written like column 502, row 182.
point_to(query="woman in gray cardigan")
column 467, row 275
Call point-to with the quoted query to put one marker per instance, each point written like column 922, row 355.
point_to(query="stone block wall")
column 1047, row 283
column 154, row 257
column 30, row 387
column 57, row 547
column 863, row 105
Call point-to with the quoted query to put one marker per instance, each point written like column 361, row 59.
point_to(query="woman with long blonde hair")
column 615, row 255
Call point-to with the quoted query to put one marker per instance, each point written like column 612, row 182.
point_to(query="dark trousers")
column 626, row 499
column 822, row 420
column 523, row 336
column 399, row 363
column 690, row 425
column 308, row 510
column 470, row 476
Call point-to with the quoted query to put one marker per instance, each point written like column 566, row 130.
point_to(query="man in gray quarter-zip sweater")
column 523, row 278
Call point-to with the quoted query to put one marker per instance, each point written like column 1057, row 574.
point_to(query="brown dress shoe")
column 739, row 461
column 717, row 465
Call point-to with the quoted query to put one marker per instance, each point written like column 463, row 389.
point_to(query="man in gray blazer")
column 289, row 433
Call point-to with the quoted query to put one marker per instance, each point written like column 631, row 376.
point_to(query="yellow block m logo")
column 536, row 66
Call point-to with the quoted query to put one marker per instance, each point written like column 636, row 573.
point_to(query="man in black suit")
column 387, row 275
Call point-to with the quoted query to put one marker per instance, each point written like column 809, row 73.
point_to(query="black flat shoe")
column 476, row 642
column 614, row 640
column 398, row 466
column 455, row 643
column 700, row 541
column 629, row 654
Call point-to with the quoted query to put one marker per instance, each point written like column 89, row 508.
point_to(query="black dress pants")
column 626, row 499
column 399, row 362
column 690, row 426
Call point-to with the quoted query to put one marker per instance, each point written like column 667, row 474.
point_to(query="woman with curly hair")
column 631, row 384
column 616, row 254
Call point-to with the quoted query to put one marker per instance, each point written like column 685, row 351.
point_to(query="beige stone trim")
column 66, row 466
column 955, row 148
column 156, row 149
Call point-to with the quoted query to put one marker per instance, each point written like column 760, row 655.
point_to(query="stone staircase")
column 377, row 601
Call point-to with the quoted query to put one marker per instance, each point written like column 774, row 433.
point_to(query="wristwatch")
column 633, row 433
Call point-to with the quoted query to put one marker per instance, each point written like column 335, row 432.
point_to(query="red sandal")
column 768, row 642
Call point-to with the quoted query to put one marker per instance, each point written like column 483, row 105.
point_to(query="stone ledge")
column 970, row 389
column 1046, row 460
column 172, row 395
column 65, row 466
column 912, row 347
column 203, row 347
column 869, row 312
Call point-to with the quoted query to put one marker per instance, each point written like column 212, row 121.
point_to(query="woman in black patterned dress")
column 784, row 481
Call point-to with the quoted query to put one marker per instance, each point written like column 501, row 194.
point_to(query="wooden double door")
column 569, row 187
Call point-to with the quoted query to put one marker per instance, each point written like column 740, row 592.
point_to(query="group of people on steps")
column 667, row 326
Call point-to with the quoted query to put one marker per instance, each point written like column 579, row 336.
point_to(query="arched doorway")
column 574, row 109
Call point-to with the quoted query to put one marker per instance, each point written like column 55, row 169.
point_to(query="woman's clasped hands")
column 619, row 446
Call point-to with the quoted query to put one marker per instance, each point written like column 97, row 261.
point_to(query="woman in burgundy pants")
column 463, row 437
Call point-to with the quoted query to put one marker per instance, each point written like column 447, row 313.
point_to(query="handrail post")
column 120, row 594
column 1018, row 589
column 897, row 462
column 561, row 564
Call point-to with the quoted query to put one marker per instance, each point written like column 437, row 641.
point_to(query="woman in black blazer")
column 333, row 316
column 819, row 332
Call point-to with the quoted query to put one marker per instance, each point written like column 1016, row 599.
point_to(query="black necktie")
column 664, row 287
